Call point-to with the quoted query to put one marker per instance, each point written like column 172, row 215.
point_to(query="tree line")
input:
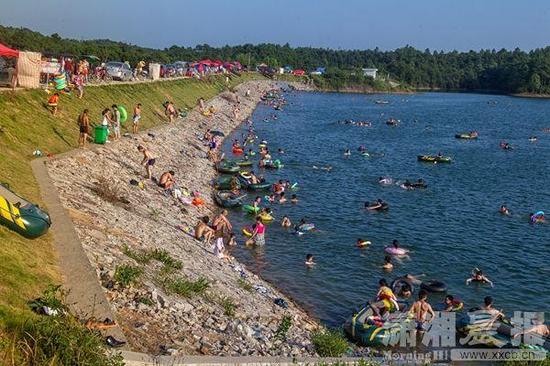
column 509, row 71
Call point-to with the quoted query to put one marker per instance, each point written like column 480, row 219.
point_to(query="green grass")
column 27, row 267
column 184, row 287
column 245, row 285
column 31, row 339
column 126, row 275
column 329, row 343
column 283, row 328
column 228, row 306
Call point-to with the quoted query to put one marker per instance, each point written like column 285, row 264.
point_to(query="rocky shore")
column 183, row 300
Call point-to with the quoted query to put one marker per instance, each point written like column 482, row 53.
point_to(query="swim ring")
column 433, row 286
column 123, row 113
column 395, row 251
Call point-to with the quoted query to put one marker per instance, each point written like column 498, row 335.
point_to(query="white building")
column 370, row 72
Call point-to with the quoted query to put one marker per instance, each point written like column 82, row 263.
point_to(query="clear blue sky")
column 345, row 24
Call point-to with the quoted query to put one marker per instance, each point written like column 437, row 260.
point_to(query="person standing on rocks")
column 136, row 118
column 148, row 160
column 116, row 121
column 84, row 127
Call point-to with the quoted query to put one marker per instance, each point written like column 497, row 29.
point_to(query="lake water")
column 450, row 228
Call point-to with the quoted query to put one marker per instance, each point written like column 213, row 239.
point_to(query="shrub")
column 126, row 274
column 284, row 326
column 53, row 340
column 245, row 285
column 329, row 343
column 108, row 191
column 164, row 257
column 228, row 306
column 140, row 256
column 184, row 287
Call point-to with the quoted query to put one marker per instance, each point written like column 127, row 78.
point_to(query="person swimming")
column 309, row 261
column 504, row 210
column 385, row 180
column 285, row 222
column 294, row 199
column 361, row 243
column 387, row 263
column 347, row 152
column 478, row 276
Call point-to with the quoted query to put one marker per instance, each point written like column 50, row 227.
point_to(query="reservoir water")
column 450, row 227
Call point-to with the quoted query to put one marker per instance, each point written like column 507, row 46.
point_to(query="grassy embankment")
column 27, row 267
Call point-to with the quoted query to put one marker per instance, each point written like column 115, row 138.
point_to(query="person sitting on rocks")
column 221, row 223
column 167, row 180
column 203, row 231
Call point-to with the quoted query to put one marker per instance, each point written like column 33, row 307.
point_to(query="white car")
column 119, row 71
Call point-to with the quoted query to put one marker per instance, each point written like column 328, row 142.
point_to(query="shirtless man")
column 136, row 118
column 420, row 310
column 203, row 230
column 221, row 222
column 167, row 180
column 148, row 160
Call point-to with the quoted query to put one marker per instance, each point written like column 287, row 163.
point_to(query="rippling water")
column 450, row 228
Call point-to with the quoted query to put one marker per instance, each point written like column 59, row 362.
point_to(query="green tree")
column 535, row 83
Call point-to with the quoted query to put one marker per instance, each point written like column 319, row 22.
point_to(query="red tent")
column 8, row 52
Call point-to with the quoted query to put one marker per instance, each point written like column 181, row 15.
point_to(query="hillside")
column 27, row 267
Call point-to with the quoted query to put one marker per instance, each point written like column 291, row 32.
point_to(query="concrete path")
column 85, row 296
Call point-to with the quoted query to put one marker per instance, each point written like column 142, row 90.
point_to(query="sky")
column 344, row 24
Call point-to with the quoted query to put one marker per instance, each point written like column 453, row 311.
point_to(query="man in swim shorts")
column 136, row 118
column 148, row 160
column 420, row 310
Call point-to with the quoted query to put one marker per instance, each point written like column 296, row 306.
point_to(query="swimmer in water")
column 294, row 199
column 478, row 276
column 387, row 263
column 309, row 261
column 282, row 198
column 347, row 152
column 286, row 222
column 361, row 243
column 504, row 210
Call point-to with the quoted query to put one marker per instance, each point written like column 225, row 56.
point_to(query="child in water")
column 478, row 276
column 286, row 222
column 309, row 261
column 387, row 263
column 232, row 241
column 294, row 199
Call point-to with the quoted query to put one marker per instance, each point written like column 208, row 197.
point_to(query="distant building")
column 370, row 72
column 318, row 71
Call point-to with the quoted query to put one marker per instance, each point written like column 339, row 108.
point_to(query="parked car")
column 118, row 70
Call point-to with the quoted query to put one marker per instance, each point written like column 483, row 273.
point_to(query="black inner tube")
column 400, row 285
column 433, row 286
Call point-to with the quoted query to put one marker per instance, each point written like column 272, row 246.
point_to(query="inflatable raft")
column 244, row 180
column 227, row 199
column 227, row 167
column 465, row 136
column 364, row 329
column 227, row 182
column 251, row 209
column 434, row 159
column 22, row 216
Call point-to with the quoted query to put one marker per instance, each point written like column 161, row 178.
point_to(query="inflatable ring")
column 400, row 285
column 363, row 243
column 247, row 231
column 123, row 113
column 433, row 286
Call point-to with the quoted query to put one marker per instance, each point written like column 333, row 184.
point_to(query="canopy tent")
column 8, row 52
